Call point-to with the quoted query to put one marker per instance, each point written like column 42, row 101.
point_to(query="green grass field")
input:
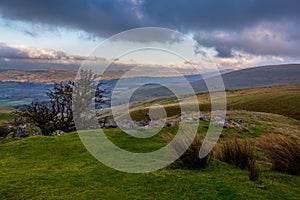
column 6, row 116
column 59, row 167
column 283, row 100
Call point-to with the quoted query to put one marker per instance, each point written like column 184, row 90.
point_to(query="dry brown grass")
column 5, row 110
column 190, row 158
column 284, row 152
column 238, row 152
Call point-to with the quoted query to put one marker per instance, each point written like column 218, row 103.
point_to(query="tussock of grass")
column 254, row 175
column 190, row 158
column 237, row 152
column 283, row 151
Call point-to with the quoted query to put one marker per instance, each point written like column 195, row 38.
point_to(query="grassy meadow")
column 60, row 167
column 282, row 100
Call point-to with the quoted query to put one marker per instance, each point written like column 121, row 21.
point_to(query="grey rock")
column 21, row 132
column 204, row 118
column 60, row 132
column 112, row 125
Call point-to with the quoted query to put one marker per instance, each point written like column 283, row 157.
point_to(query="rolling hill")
column 245, row 78
column 257, row 76
column 283, row 100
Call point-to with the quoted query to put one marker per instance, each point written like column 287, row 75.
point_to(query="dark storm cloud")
column 263, row 39
column 265, row 27
column 200, row 17
column 107, row 17
column 218, row 14
column 102, row 17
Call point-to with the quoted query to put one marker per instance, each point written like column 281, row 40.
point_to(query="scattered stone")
column 220, row 123
column 21, row 132
column 236, row 124
column 141, row 124
column 168, row 124
column 225, row 125
column 10, row 129
column 60, row 132
column 218, row 120
column 111, row 125
column 204, row 118
column 240, row 121
column 195, row 119
column 156, row 123
column 188, row 119
column 37, row 135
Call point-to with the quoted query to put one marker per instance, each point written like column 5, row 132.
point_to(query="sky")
column 37, row 34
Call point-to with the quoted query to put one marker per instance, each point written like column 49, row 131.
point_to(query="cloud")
column 262, row 39
column 23, row 52
column 106, row 17
column 103, row 17
column 261, row 27
column 240, row 60
column 215, row 14
column 23, row 57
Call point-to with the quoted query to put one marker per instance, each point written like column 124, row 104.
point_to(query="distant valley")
column 21, row 87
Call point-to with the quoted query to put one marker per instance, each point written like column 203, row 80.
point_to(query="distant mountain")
column 257, row 76
column 245, row 78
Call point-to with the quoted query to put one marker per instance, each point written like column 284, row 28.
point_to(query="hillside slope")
column 245, row 78
column 283, row 100
column 257, row 76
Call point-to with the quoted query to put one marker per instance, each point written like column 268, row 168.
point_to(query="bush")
column 57, row 113
column 284, row 153
column 190, row 158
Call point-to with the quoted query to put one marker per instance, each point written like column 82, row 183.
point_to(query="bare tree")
column 61, row 104
column 57, row 114
column 42, row 115
column 86, row 93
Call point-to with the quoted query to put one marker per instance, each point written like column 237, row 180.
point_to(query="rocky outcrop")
column 218, row 121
